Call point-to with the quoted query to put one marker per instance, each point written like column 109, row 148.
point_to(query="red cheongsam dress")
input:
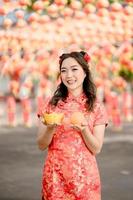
column 70, row 170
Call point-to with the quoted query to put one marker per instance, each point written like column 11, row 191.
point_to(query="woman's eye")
column 74, row 69
column 62, row 71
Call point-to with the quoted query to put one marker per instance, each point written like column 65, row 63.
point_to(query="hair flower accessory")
column 87, row 57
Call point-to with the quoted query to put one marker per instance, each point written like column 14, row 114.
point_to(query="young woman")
column 70, row 170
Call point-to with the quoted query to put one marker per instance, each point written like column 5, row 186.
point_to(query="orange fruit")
column 77, row 118
column 53, row 118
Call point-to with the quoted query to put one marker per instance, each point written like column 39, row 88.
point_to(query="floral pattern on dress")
column 70, row 170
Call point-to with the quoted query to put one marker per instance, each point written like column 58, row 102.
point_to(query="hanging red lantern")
column 19, row 14
column 60, row 21
column 45, row 2
column 115, row 66
column 60, row 2
column 116, row 7
column 89, row 8
column 128, row 10
column 102, row 4
column 76, row 5
column 43, row 19
column 103, row 12
column 87, row 1
column 38, row 5
column 33, row 17
column 6, row 1
column 98, row 82
column 2, row 11
column 24, row 2
column 21, row 23
column 79, row 14
column 7, row 23
column 67, row 12
column 53, row 10
column 129, row 1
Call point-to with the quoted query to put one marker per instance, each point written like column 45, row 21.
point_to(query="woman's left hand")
column 82, row 125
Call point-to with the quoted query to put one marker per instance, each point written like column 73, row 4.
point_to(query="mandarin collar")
column 80, row 98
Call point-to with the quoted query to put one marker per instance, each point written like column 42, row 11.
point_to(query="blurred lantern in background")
column 33, row 30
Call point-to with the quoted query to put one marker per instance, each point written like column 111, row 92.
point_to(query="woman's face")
column 72, row 75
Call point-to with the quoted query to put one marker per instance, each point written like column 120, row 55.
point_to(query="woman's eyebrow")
column 70, row 66
column 74, row 66
column 63, row 68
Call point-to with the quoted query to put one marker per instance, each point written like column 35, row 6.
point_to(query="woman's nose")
column 69, row 73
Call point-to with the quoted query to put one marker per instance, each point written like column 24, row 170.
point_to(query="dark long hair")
column 88, row 86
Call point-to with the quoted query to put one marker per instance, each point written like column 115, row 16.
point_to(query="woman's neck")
column 76, row 93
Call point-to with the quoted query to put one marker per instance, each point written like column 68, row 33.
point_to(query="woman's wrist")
column 50, row 128
column 84, row 128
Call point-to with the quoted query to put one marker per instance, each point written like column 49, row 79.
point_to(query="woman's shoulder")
column 46, row 101
column 98, row 105
column 45, row 106
column 100, row 114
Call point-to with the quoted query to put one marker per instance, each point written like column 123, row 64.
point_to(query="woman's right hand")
column 49, row 126
column 45, row 134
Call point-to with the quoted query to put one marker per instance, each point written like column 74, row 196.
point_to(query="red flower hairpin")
column 87, row 57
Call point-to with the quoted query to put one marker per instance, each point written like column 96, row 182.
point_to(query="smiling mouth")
column 71, row 82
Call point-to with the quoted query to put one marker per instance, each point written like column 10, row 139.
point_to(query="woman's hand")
column 81, row 126
column 49, row 126
column 45, row 134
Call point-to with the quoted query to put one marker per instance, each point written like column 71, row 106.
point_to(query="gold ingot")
column 53, row 118
column 76, row 118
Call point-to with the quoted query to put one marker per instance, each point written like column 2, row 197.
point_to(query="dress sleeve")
column 100, row 115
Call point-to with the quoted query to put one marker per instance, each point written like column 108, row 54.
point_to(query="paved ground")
column 21, row 164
